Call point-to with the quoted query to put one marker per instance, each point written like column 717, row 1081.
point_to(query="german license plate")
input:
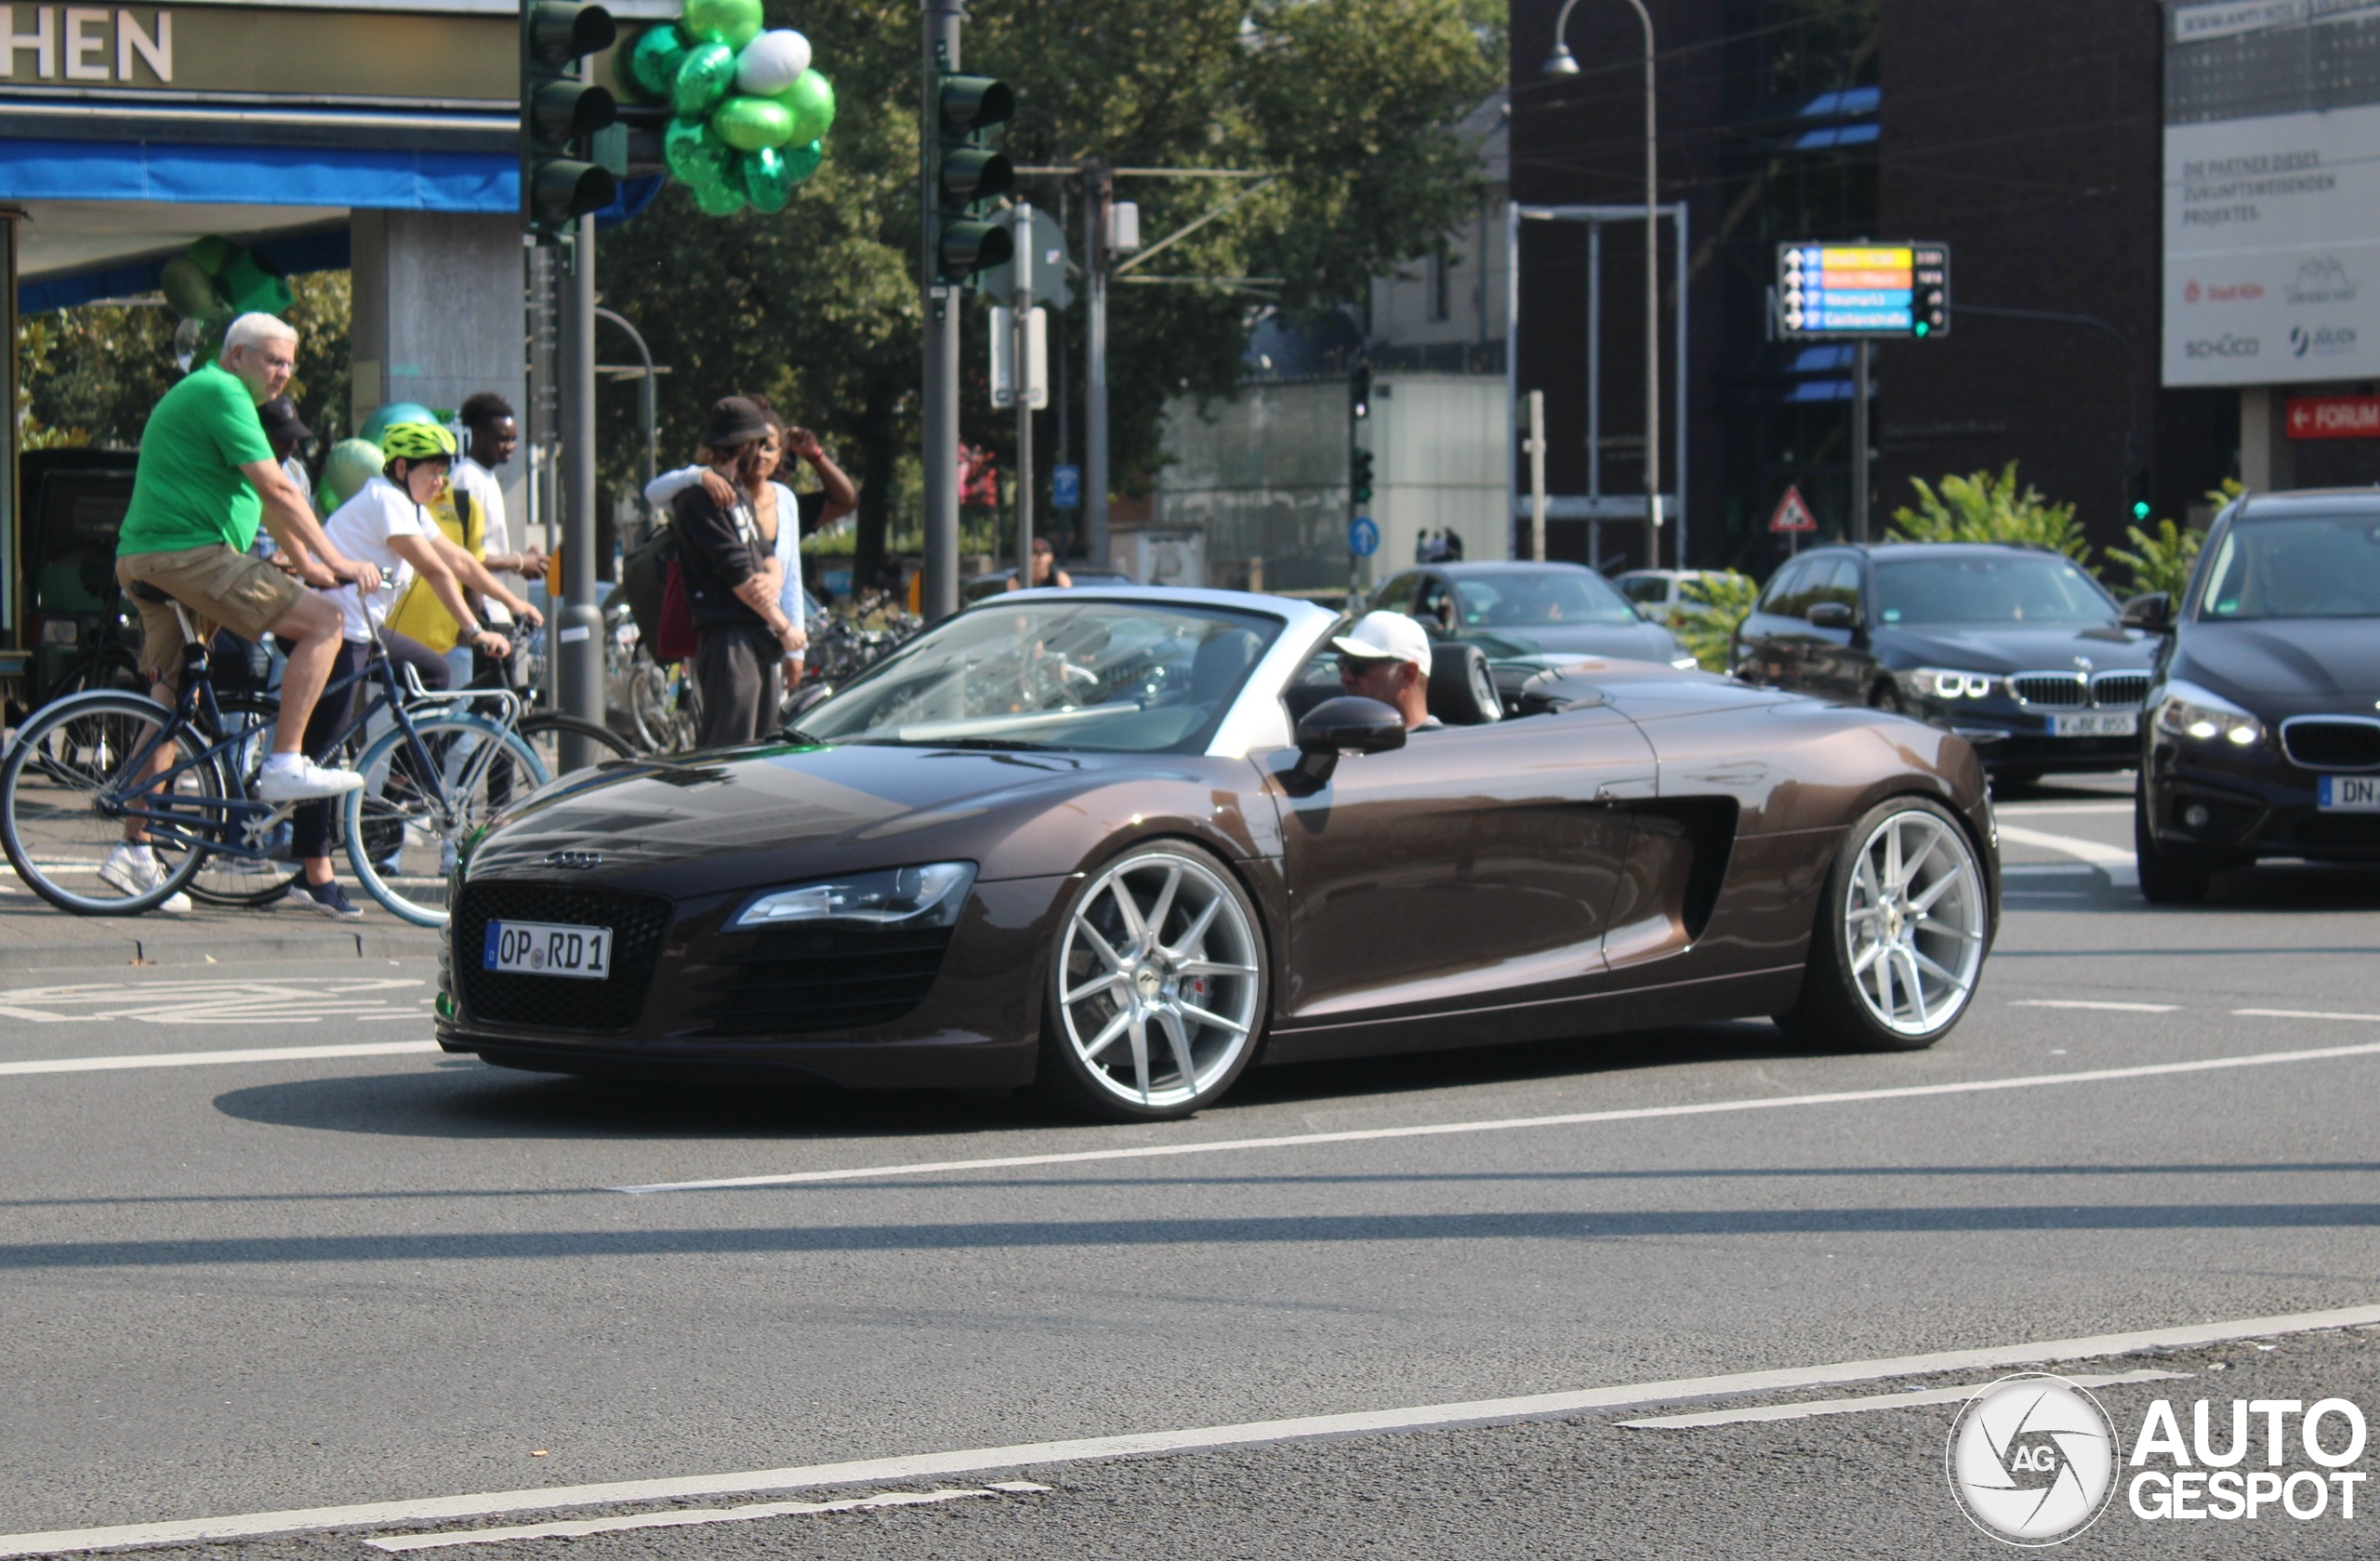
column 2095, row 723
column 2350, row 794
column 548, row 948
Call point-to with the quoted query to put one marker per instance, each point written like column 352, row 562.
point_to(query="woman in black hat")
column 731, row 578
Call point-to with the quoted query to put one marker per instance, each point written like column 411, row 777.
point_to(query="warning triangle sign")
column 1793, row 514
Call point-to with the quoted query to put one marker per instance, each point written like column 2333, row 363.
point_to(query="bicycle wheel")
column 545, row 730
column 248, row 881
column 61, row 792
column 420, row 803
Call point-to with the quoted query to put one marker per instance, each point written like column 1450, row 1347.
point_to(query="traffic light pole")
column 1020, row 359
column 1099, row 189
column 939, row 432
column 1859, row 440
column 577, row 629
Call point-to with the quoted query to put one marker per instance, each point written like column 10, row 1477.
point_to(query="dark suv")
column 2264, row 731
column 2013, row 648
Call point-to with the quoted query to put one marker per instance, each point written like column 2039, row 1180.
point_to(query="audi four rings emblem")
column 573, row 859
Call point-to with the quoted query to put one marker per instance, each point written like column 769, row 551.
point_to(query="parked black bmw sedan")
column 2013, row 648
column 2265, row 732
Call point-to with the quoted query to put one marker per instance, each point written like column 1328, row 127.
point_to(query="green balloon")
column 767, row 182
column 705, row 77
column 653, row 62
column 694, row 152
column 802, row 161
column 350, row 464
column 189, row 289
column 751, row 123
column 720, row 200
column 810, row 101
column 733, row 23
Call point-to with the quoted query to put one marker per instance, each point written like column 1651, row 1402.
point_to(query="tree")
column 1348, row 105
column 1981, row 507
column 1716, row 607
column 2163, row 560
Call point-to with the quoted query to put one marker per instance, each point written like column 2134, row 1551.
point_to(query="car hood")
column 2012, row 647
column 1627, row 641
column 754, row 814
column 2316, row 660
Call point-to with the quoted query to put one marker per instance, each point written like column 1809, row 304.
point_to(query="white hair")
column 257, row 330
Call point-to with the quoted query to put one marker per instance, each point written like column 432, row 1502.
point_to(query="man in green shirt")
column 206, row 476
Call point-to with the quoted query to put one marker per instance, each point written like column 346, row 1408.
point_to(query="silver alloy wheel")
column 1158, row 981
column 1915, row 922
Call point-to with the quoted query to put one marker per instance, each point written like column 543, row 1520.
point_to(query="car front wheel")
column 1157, row 986
column 1900, row 935
column 2169, row 875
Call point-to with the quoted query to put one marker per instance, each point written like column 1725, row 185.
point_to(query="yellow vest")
column 418, row 613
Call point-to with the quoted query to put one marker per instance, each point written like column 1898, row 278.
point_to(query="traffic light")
column 560, row 115
column 2136, row 492
column 1359, row 392
column 964, row 172
column 1359, row 477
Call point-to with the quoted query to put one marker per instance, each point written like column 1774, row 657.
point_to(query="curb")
column 222, row 949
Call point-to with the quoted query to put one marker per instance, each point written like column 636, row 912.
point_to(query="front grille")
column 2120, row 689
column 2332, row 743
column 558, row 1002
column 808, row 980
column 2064, row 690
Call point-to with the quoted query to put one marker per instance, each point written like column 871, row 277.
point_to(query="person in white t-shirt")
column 387, row 521
column 494, row 435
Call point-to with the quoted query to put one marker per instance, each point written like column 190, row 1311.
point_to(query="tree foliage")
column 1981, row 508
column 1347, row 104
column 2159, row 560
column 1720, row 602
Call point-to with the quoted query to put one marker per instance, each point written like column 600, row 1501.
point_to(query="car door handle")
column 1635, row 789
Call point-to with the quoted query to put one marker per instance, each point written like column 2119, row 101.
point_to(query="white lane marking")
column 2045, row 870
column 687, row 1518
column 1510, row 1124
column 2117, row 863
column 2303, row 1013
column 2039, row 810
column 206, row 1059
column 1811, row 1407
column 2108, row 1008
column 211, row 1003
column 918, row 1466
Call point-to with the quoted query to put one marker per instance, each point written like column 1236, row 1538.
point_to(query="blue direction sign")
column 1065, row 487
column 1363, row 536
column 1895, row 290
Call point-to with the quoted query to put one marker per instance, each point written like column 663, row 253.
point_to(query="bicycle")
column 78, row 773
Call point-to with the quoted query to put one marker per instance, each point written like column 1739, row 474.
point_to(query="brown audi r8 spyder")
column 1126, row 842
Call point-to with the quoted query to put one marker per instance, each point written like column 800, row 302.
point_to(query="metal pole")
column 1097, row 188
column 939, row 414
column 1020, row 357
column 1511, row 359
column 579, row 625
column 646, row 401
column 1652, row 306
column 1677, row 231
column 1537, row 475
column 1859, row 441
column 1594, row 393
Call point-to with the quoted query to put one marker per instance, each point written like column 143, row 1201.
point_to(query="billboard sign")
column 1896, row 291
column 2272, row 192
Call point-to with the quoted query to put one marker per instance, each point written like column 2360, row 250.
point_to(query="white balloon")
column 771, row 62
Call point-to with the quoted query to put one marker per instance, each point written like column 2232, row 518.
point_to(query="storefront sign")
column 2334, row 417
column 226, row 53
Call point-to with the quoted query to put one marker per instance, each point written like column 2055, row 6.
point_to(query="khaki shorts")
column 222, row 589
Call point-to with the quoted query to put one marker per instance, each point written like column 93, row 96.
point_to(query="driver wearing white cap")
column 1386, row 656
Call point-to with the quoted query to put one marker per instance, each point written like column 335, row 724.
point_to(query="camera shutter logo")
column 2033, row 1459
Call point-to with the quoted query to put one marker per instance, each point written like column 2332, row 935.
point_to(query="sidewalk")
column 36, row 935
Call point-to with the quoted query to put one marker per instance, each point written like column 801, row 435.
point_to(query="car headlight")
column 1685, row 663
column 927, row 897
column 2204, row 716
column 1948, row 682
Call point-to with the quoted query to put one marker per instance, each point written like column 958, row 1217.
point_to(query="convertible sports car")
column 1125, row 842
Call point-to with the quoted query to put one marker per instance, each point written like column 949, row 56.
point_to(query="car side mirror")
column 1345, row 725
column 2153, row 612
column 1830, row 615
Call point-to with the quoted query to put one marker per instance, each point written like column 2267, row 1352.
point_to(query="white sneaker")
column 304, row 781
column 134, row 869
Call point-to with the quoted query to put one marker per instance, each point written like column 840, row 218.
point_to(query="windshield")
column 1649, row 589
column 1117, row 677
column 1515, row 599
column 2303, row 567
column 2015, row 588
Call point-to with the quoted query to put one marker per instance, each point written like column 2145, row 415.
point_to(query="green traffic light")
column 1923, row 328
column 2140, row 509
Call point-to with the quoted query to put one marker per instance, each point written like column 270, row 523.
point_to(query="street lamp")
column 1561, row 62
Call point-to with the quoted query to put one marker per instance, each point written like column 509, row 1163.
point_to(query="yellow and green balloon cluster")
column 749, row 115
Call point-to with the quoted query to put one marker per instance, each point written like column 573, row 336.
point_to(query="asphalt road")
column 246, row 1283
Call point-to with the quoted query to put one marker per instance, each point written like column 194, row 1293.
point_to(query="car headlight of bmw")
column 926, row 896
column 1948, row 682
column 2204, row 716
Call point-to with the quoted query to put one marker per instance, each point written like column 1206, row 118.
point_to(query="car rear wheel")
column 1157, row 987
column 1900, row 935
column 2169, row 875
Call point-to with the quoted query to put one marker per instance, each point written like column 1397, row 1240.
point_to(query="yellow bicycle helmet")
column 416, row 441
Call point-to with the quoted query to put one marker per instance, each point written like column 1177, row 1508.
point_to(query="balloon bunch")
column 208, row 285
column 746, row 109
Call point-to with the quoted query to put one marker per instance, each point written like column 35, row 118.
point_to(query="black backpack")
column 644, row 575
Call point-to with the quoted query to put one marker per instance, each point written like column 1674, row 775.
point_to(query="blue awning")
column 387, row 179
